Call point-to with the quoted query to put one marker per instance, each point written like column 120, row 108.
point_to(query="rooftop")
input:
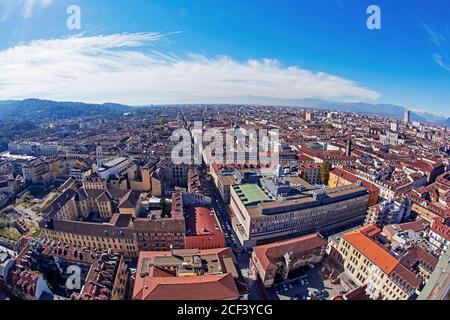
column 201, row 221
column 186, row 275
column 371, row 250
column 113, row 163
column 271, row 253
column 251, row 193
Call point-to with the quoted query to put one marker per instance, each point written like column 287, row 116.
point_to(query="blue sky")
column 223, row 51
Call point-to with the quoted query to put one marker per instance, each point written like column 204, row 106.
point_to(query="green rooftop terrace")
column 251, row 193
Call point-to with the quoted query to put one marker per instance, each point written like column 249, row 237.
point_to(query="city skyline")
column 233, row 53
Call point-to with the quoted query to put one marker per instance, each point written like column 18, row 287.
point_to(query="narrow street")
column 242, row 256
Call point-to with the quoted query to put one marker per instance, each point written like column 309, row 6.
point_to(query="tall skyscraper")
column 407, row 116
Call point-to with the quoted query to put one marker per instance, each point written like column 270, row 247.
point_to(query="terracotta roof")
column 159, row 284
column 372, row 251
column 131, row 200
column 408, row 276
column 201, row 221
column 354, row 179
column 270, row 253
column 207, row 287
column 418, row 255
column 418, row 225
column 441, row 229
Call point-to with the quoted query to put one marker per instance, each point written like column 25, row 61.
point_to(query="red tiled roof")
column 441, row 229
column 401, row 271
column 207, row 287
column 201, row 221
column 268, row 254
column 162, row 285
column 354, row 179
column 372, row 251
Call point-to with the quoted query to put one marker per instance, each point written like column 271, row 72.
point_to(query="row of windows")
column 361, row 278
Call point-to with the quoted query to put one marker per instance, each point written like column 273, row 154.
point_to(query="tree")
column 162, row 122
column 325, row 172
column 305, row 176
column 165, row 206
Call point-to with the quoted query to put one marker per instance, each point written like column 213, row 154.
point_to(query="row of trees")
column 12, row 129
column 5, row 221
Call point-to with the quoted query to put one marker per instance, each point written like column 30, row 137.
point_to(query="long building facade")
column 259, row 219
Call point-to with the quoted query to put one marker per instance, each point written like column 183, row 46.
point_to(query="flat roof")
column 306, row 200
column 114, row 162
column 251, row 193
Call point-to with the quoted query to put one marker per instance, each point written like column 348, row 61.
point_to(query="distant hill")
column 385, row 110
column 40, row 110
column 447, row 122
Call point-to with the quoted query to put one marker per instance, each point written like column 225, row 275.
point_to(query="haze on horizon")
column 231, row 52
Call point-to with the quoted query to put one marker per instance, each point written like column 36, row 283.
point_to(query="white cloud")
column 435, row 37
column 6, row 8
column 29, row 5
column 440, row 62
column 25, row 7
column 441, row 44
column 125, row 68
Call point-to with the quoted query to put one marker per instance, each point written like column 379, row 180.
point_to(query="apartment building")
column 367, row 263
column 341, row 177
column 389, row 212
column 439, row 236
column 259, row 217
column 42, row 268
column 67, row 220
column 279, row 259
column 188, row 275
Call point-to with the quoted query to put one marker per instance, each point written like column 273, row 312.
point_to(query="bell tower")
column 99, row 155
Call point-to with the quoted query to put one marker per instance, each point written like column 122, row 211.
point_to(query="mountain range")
column 41, row 110
column 385, row 110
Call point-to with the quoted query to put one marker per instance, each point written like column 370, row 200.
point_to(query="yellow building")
column 340, row 177
column 366, row 263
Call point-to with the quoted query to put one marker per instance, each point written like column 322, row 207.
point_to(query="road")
column 225, row 222
column 242, row 255
column 313, row 281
